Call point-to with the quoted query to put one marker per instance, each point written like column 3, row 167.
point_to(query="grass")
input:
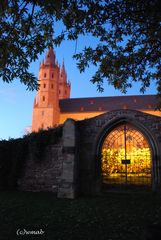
column 113, row 216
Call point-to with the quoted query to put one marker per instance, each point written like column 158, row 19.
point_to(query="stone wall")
column 72, row 165
column 42, row 175
column 56, row 171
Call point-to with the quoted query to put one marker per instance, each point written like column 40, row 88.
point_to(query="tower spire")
column 50, row 57
column 64, row 86
column 63, row 72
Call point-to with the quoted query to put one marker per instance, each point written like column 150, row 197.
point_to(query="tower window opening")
column 52, row 86
column 52, row 75
column 44, row 75
column 91, row 102
column 44, row 85
column 59, row 92
column 43, row 98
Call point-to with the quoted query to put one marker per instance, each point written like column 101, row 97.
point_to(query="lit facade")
column 53, row 105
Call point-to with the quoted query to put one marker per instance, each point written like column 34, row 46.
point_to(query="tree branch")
column 17, row 18
column 30, row 20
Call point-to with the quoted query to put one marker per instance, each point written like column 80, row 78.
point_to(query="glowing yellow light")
column 140, row 161
column 126, row 143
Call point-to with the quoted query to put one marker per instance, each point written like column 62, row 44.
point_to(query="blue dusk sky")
column 16, row 103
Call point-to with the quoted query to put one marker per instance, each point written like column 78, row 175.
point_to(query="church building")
column 53, row 105
column 102, row 143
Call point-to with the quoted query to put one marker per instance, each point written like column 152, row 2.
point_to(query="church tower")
column 64, row 84
column 46, row 110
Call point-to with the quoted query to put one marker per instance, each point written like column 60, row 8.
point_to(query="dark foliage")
column 39, row 141
column 12, row 156
column 128, row 35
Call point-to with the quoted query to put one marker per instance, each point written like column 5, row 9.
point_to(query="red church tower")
column 53, row 86
column 64, row 86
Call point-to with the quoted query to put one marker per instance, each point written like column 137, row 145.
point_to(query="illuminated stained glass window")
column 126, row 157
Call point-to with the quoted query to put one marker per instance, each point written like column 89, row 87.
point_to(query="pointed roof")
column 63, row 72
column 50, row 57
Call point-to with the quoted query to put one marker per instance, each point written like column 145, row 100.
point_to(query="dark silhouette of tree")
column 128, row 34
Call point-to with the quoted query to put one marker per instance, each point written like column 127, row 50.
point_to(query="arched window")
column 126, row 157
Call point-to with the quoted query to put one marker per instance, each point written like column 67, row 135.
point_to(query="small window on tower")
column 43, row 98
column 52, row 86
column 91, row 102
column 44, row 75
column 44, row 85
column 59, row 91
column 52, row 75
column 125, row 107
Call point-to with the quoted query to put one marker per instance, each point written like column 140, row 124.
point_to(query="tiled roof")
column 136, row 102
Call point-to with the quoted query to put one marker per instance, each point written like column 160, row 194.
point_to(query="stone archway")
column 91, row 134
column 119, row 165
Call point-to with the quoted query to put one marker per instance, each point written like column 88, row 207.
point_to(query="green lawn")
column 111, row 217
